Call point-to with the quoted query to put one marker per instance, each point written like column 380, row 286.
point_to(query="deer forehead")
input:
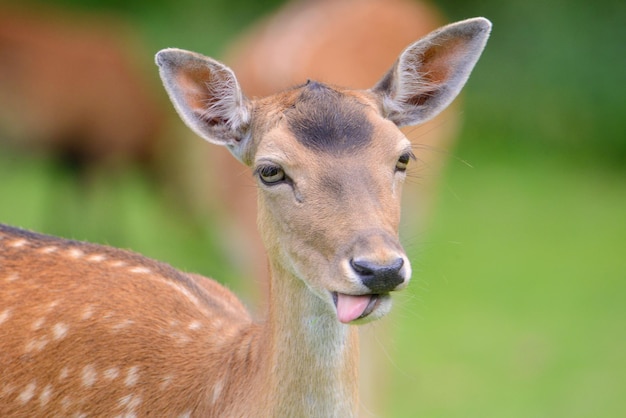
column 321, row 126
column 326, row 120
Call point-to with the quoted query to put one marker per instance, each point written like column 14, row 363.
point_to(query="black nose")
column 379, row 278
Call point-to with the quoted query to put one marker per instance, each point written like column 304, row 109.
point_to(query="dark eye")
column 270, row 174
column 403, row 161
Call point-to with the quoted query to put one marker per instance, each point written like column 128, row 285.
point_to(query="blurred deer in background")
column 92, row 330
column 349, row 43
column 70, row 86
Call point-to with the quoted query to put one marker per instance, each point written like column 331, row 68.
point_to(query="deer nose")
column 379, row 278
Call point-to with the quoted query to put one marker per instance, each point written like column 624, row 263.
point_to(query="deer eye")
column 270, row 174
column 403, row 161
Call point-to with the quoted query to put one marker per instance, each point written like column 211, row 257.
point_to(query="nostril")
column 379, row 278
column 362, row 268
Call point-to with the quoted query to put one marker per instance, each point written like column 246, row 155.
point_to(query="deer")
column 71, row 87
column 88, row 329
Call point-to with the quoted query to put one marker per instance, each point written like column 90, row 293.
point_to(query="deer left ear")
column 207, row 96
column 430, row 73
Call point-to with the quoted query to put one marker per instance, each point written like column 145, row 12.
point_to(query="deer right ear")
column 430, row 73
column 207, row 96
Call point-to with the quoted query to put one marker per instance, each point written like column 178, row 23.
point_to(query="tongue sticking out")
column 350, row 307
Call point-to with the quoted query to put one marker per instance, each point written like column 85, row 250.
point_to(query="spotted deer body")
column 52, row 362
column 91, row 330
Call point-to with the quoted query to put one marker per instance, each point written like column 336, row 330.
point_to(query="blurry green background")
column 518, row 303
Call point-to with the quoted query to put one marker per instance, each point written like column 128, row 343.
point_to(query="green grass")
column 518, row 307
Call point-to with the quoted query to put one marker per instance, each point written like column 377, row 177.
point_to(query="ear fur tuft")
column 430, row 73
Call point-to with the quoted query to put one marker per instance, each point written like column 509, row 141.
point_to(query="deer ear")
column 430, row 73
column 207, row 96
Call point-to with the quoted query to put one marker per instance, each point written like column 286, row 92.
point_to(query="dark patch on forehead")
column 327, row 120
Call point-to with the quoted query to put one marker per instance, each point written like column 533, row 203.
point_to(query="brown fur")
column 112, row 295
column 71, row 86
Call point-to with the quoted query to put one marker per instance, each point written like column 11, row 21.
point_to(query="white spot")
column 28, row 393
column 52, row 305
column 132, row 376
column 89, row 375
column 65, row 371
column 111, row 373
column 194, row 325
column 130, row 403
column 80, row 415
column 218, row 324
column 184, row 291
column 185, row 415
column 88, row 312
column 38, row 323
column 36, row 344
column 4, row 315
column 44, row 396
column 48, row 250
column 96, row 258
column 135, row 402
column 217, row 391
column 12, row 277
column 20, row 242
column 124, row 324
column 140, row 270
column 59, row 330
column 75, row 253
column 166, row 381
column 118, row 263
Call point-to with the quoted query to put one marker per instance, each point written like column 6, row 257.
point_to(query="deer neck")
column 313, row 358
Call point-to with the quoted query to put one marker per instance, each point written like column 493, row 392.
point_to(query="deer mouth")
column 353, row 307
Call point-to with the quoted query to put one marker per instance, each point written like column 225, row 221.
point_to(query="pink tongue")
column 350, row 308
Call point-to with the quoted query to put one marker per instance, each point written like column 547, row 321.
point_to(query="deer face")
column 330, row 170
